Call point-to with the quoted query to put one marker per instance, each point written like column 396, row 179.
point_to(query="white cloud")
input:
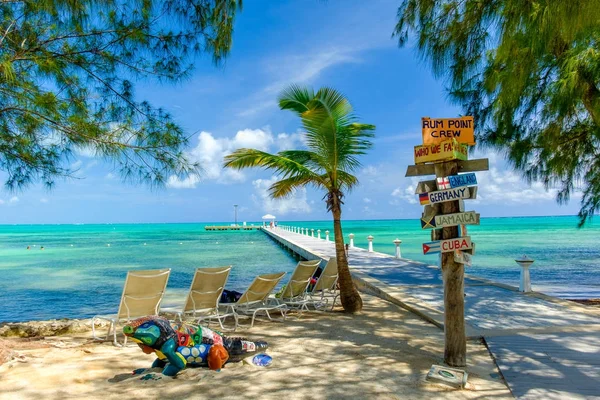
column 289, row 141
column 109, row 176
column 76, row 165
column 367, row 200
column 370, row 170
column 406, row 194
column 2, row 201
column 299, row 68
column 507, row 187
column 188, row 183
column 13, row 200
column 43, row 200
column 500, row 185
column 210, row 151
column 296, row 203
column 85, row 152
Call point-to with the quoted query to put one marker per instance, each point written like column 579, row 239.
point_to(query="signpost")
column 443, row 154
column 441, row 129
column 440, row 196
column 430, row 221
column 426, row 186
column 447, row 245
column 480, row 164
column 462, row 257
column 462, row 180
column 443, row 151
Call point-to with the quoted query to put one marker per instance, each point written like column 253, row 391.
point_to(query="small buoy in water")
column 108, row 245
column 180, row 242
column 144, row 244
column 71, row 245
column 217, row 242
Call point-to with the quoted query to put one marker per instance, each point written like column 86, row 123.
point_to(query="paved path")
column 545, row 347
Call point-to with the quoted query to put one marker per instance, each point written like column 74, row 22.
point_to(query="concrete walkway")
column 545, row 347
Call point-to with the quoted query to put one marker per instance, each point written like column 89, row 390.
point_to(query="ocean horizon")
column 81, row 270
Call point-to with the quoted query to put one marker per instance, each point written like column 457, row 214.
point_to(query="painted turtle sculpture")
column 178, row 346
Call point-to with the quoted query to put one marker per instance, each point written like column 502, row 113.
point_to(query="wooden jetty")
column 544, row 346
column 232, row 228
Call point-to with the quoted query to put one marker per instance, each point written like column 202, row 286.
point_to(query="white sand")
column 383, row 353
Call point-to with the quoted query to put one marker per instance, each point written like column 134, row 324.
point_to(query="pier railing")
column 370, row 238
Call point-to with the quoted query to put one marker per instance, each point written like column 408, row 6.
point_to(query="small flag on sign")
column 443, row 183
column 428, row 222
column 424, row 198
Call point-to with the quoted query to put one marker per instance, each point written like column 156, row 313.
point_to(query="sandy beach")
column 384, row 352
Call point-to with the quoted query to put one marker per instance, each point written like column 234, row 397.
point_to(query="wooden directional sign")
column 434, row 209
column 443, row 151
column 462, row 257
column 440, row 129
column 454, row 181
column 448, row 245
column 480, row 164
column 429, row 221
column 441, row 196
column 462, row 180
column 426, row 186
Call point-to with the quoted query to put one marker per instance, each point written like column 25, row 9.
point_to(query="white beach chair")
column 294, row 294
column 142, row 293
column 256, row 298
column 326, row 286
column 202, row 302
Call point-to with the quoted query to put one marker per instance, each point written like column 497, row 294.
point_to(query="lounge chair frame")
column 253, row 301
column 295, row 293
column 124, row 313
column 326, row 287
column 208, row 311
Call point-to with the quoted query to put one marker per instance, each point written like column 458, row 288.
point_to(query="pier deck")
column 545, row 347
column 232, row 228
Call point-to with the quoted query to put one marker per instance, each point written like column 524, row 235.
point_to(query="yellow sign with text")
column 441, row 129
column 444, row 151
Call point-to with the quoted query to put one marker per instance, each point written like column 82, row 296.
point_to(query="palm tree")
column 334, row 139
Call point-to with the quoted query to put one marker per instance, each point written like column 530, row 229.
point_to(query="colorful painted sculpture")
column 179, row 346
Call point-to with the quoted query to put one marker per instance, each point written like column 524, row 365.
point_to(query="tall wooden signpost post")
column 444, row 154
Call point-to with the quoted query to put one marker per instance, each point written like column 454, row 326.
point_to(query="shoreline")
column 32, row 329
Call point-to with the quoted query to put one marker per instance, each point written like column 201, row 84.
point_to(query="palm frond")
column 334, row 138
column 285, row 187
column 296, row 98
column 248, row 158
column 346, row 182
column 305, row 157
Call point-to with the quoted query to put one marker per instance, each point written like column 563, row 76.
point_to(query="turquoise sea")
column 78, row 274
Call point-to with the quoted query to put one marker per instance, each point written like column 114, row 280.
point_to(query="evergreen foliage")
column 529, row 72
column 67, row 77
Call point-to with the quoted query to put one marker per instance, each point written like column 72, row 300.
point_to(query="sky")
column 345, row 44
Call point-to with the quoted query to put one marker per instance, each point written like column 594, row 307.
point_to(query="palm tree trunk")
column 351, row 300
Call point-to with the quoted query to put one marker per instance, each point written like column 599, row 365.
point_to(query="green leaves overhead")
column 67, row 73
column 529, row 72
